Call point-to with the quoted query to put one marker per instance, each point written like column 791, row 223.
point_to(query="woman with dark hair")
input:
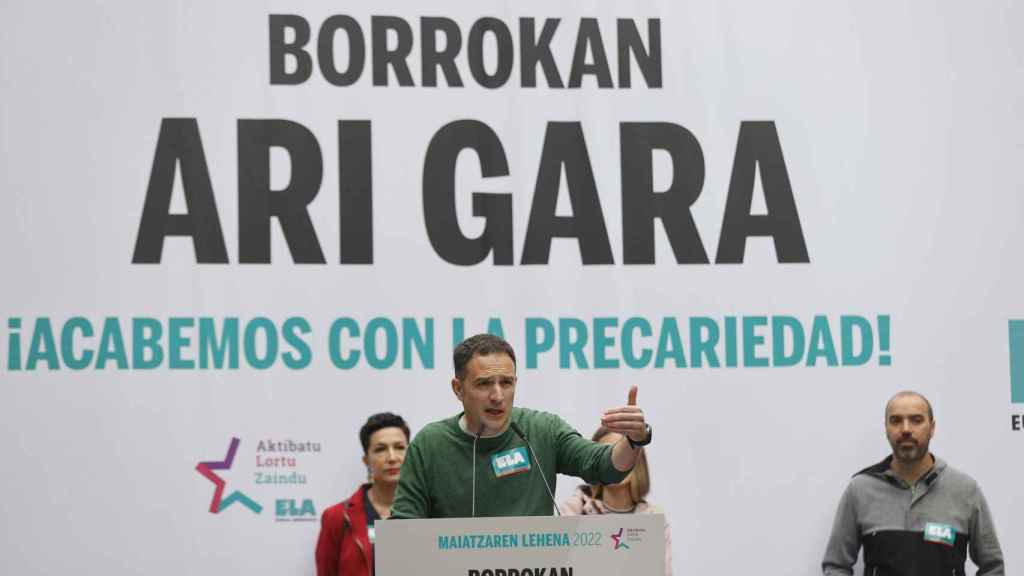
column 346, row 538
column 626, row 497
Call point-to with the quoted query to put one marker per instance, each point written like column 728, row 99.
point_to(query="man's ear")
column 457, row 388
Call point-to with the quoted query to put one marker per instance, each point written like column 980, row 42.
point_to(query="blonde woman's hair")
column 639, row 478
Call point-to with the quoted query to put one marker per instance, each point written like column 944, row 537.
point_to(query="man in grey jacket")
column 913, row 514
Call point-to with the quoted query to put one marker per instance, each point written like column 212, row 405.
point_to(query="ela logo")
column 289, row 511
column 510, row 462
column 939, row 533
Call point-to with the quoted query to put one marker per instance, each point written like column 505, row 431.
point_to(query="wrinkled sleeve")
column 328, row 545
column 580, row 457
column 844, row 542
column 984, row 545
column 412, row 497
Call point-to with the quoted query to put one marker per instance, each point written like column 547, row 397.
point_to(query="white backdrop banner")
column 231, row 231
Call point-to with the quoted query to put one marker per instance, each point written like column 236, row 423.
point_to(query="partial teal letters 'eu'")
column 1017, row 361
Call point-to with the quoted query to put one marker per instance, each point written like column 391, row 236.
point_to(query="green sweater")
column 437, row 475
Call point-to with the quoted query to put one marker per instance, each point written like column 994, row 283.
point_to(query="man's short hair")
column 906, row 393
column 378, row 422
column 479, row 345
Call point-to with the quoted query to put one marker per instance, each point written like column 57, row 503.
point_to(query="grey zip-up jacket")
column 922, row 530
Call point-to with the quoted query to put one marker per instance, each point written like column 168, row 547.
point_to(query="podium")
column 602, row 545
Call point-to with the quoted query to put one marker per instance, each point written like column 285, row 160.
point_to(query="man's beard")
column 910, row 453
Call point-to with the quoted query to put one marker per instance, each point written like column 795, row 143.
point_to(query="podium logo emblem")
column 617, row 539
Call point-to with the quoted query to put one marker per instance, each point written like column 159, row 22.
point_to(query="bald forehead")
column 907, row 403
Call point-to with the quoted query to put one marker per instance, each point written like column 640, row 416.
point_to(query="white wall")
column 900, row 130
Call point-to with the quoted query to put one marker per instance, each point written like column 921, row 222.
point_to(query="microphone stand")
column 479, row 433
column 540, row 467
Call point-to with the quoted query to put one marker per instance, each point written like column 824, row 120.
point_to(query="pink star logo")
column 207, row 470
column 617, row 538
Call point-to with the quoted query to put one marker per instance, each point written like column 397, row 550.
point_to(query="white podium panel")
column 523, row 546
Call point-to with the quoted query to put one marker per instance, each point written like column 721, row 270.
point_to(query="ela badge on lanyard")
column 940, row 533
column 510, row 462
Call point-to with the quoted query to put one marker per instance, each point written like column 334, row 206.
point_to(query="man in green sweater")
column 497, row 460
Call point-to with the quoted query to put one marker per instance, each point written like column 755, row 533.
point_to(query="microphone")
column 540, row 467
column 475, row 438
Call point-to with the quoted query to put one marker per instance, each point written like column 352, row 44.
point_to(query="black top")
column 371, row 514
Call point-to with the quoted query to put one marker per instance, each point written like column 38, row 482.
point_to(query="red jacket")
column 344, row 544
